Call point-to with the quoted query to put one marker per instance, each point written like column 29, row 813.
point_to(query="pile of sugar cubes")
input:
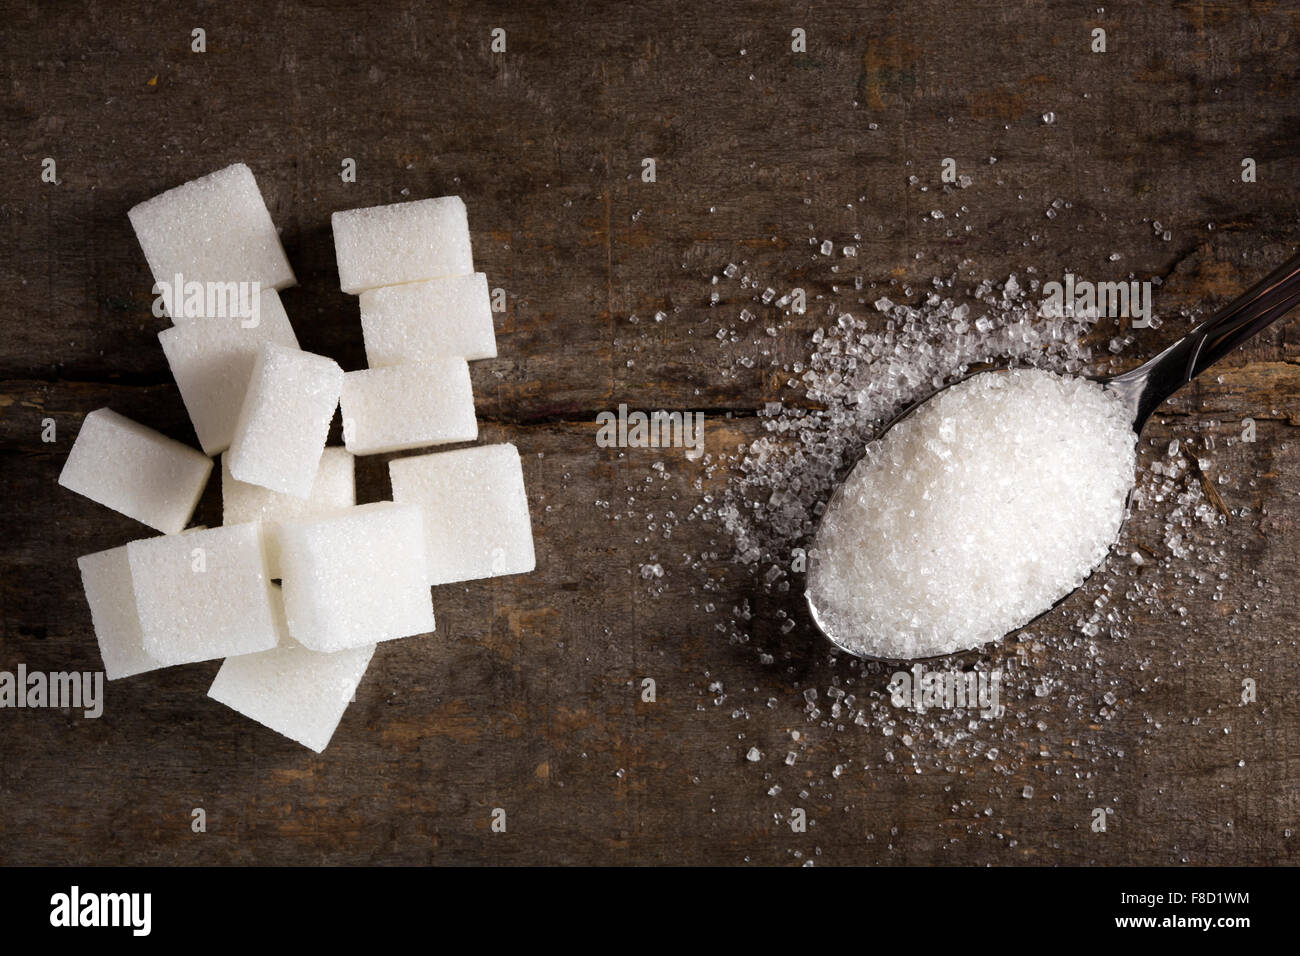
column 350, row 575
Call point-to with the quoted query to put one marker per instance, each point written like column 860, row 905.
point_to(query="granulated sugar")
column 1063, row 684
column 973, row 516
column 1083, row 693
column 861, row 375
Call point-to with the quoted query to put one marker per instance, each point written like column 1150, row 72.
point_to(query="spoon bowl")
column 1141, row 390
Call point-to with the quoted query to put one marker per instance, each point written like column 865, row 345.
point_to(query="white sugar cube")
column 422, row 321
column 212, row 229
column 106, row 578
column 355, row 578
column 475, row 511
column 296, row 692
column 203, row 595
column 408, row 406
column 212, row 362
column 285, row 419
column 135, row 470
column 402, row 242
column 334, row 490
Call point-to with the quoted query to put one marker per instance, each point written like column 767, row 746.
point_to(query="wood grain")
column 528, row 697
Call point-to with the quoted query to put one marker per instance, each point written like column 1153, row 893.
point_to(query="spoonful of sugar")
column 984, row 505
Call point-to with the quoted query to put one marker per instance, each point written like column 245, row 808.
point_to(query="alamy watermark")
column 75, row 908
column 1114, row 300
column 659, row 429
column 208, row 300
column 61, row 690
column 921, row 690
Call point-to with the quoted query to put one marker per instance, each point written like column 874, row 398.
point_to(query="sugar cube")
column 203, row 595
column 213, row 229
column 285, row 419
column 296, row 692
column 212, row 362
column 135, row 470
column 475, row 511
column 408, row 406
column 355, row 578
column 402, row 242
column 421, row 321
column 106, row 579
column 334, row 490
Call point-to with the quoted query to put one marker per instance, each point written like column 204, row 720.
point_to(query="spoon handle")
column 1254, row 310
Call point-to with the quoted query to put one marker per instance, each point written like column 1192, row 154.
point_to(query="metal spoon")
column 1142, row 389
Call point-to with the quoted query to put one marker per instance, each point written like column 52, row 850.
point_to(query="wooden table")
column 528, row 697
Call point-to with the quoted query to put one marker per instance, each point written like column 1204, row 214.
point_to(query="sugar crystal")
column 974, row 515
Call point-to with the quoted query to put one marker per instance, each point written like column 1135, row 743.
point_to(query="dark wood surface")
column 527, row 698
